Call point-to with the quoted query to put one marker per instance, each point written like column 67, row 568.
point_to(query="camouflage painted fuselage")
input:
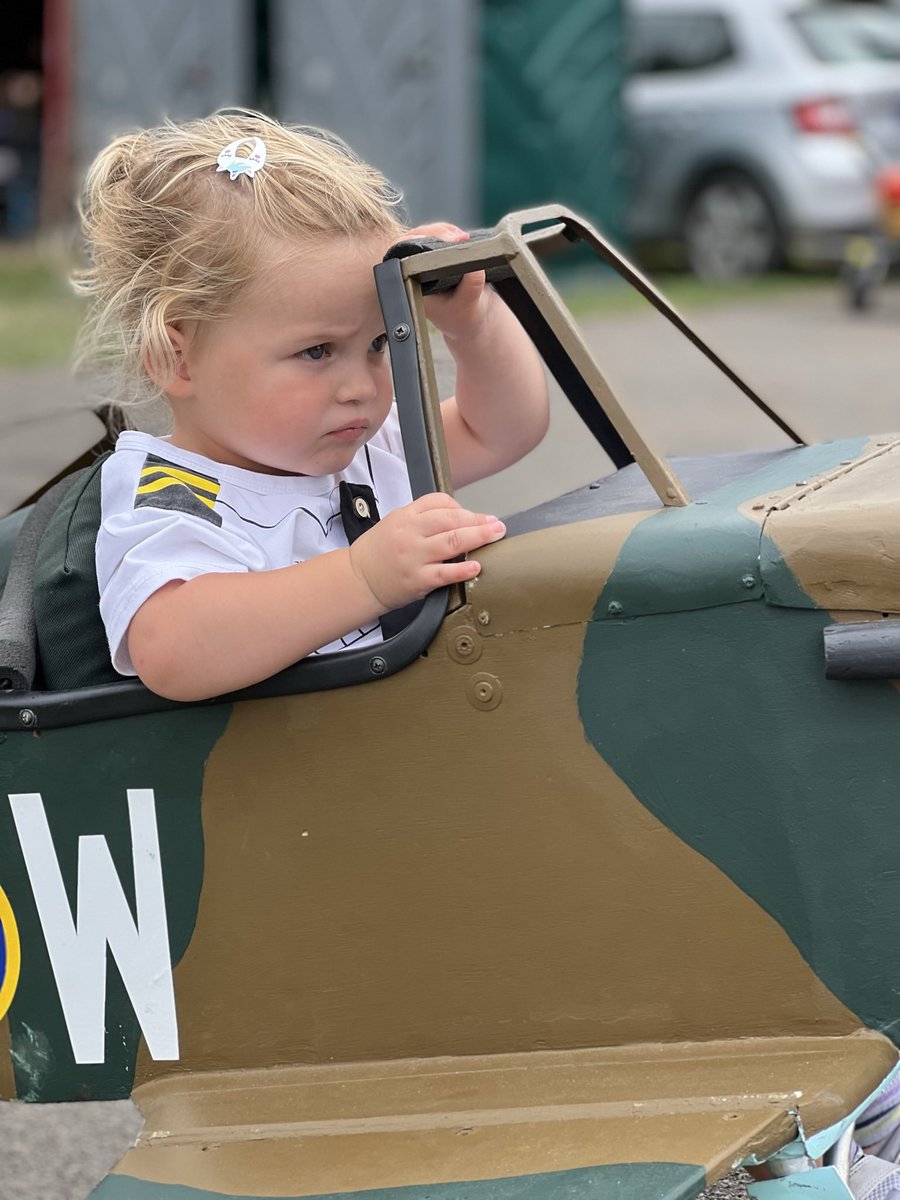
column 613, row 847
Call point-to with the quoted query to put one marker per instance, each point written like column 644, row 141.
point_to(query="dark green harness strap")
column 72, row 646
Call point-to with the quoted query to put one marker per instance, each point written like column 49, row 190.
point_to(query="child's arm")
column 219, row 632
column 500, row 409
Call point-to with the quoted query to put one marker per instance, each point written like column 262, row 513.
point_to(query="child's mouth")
column 348, row 433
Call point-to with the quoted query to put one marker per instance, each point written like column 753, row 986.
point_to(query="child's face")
column 296, row 379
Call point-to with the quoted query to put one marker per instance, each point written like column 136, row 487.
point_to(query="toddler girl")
column 231, row 274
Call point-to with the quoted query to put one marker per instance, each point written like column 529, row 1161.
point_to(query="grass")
column 39, row 315
column 597, row 295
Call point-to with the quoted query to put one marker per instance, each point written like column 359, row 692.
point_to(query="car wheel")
column 730, row 229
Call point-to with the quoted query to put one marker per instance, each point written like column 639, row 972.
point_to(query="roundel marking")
column 10, row 957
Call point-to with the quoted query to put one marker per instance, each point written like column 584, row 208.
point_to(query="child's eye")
column 314, row 353
column 379, row 344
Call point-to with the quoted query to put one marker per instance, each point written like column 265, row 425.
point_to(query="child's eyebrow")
column 314, row 335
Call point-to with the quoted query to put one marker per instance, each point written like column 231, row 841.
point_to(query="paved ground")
column 830, row 373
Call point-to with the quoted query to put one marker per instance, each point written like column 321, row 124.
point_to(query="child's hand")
column 404, row 556
column 459, row 314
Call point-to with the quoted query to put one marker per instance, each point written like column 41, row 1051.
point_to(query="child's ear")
column 175, row 383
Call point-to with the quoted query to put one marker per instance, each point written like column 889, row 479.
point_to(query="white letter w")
column 78, row 954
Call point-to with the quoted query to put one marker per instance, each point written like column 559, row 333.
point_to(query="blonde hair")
column 171, row 239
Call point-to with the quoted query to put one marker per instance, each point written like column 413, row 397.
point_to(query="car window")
column 849, row 34
column 677, row 41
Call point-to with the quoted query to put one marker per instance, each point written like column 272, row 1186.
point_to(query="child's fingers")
column 454, row 572
column 453, row 542
column 438, row 512
column 405, row 555
column 439, row 229
column 436, row 521
column 434, row 500
column 441, row 501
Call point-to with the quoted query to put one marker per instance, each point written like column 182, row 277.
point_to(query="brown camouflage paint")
column 384, row 1125
column 838, row 533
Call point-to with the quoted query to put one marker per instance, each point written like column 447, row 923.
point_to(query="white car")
column 755, row 127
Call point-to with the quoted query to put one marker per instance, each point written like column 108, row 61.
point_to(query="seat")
column 51, row 635
column 18, row 658
column 71, row 640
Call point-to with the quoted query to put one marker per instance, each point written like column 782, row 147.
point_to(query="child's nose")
column 358, row 384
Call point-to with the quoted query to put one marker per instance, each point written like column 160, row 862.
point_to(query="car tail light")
column 888, row 185
column 827, row 115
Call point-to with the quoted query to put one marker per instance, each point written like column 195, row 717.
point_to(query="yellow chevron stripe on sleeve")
column 176, row 473
column 156, row 485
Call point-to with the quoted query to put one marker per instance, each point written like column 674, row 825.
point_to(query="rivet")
column 377, row 665
column 400, row 333
column 671, row 494
column 464, row 644
column 362, row 508
column 748, row 581
column 484, row 617
column 484, row 691
column 27, row 717
column 614, row 608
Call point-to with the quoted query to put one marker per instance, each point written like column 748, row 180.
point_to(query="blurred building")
column 21, row 108
column 473, row 107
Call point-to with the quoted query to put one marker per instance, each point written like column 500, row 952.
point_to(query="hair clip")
column 230, row 160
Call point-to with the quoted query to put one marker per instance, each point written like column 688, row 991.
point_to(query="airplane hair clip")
column 230, row 161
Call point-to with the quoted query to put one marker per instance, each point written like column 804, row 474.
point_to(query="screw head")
column 28, row 718
column 400, row 332
column 377, row 665
column 614, row 608
column 748, row 581
column 484, row 617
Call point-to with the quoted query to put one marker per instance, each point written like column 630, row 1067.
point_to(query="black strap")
column 359, row 509
column 359, row 512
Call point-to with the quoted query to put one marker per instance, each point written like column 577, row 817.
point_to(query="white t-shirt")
column 168, row 514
